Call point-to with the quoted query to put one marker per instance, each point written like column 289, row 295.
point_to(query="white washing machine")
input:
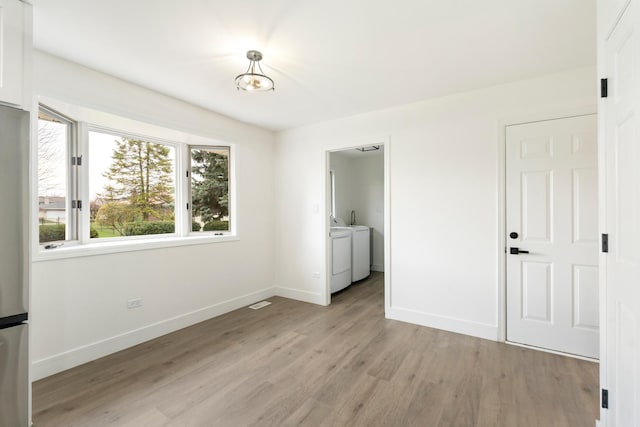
column 360, row 252
column 360, row 248
column 340, row 258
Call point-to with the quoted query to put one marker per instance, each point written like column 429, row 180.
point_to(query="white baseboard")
column 460, row 326
column 377, row 267
column 299, row 295
column 62, row 361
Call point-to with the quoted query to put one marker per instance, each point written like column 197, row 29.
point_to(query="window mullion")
column 181, row 214
column 84, row 216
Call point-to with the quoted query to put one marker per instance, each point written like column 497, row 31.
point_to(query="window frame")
column 230, row 184
column 72, row 214
column 87, row 120
column 86, row 236
column 332, row 190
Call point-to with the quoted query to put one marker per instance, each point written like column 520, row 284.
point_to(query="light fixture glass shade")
column 254, row 79
column 252, row 82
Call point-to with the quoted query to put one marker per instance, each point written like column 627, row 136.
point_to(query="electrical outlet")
column 315, row 275
column 134, row 303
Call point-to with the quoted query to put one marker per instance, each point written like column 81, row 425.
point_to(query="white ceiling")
column 329, row 59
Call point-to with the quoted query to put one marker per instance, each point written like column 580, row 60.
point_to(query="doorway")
column 551, row 225
column 357, row 205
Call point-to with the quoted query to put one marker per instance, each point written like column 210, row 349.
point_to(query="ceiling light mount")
column 254, row 79
column 254, row 55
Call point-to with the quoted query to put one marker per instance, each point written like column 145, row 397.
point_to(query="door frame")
column 352, row 143
column 502, row 204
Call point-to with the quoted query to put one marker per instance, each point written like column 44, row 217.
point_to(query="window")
column 57, row 177
column 332, row 192
column 98, row 183
column 210, row 188
column 131, row 186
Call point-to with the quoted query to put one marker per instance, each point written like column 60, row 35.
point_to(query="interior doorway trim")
column 352, row 143
column 502, row 199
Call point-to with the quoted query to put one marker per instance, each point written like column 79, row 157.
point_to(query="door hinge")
column 605, row 399
column 187, row 206
column 76, row 204
column 187, row 174
column 76, row 161
column 604, row 88
column 605, row 243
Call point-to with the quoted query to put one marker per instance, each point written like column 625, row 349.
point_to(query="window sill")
column 103, row 248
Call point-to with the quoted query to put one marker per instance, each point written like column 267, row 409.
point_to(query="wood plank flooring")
column 293, row 363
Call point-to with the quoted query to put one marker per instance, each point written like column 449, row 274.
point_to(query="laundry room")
column 356, row 178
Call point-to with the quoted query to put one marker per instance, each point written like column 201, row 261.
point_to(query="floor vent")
column 259, row 305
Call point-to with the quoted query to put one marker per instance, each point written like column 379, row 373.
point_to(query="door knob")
column 516, row 251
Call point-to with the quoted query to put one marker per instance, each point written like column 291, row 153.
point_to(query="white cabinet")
column 13, row 43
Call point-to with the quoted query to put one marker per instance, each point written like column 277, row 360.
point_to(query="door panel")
column 585, row 202
column 627, row 194
column 536, row 206
column 552, row 291
column 585, row 297
column 625, row 390
column 537, row 288
column 540, row 148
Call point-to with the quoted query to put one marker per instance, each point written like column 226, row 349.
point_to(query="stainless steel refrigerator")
column 14, row 298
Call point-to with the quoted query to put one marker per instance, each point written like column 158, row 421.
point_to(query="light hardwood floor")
column 293, row 363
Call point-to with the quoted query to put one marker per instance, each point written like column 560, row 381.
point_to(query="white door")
column 622, row 222
column 552, row 235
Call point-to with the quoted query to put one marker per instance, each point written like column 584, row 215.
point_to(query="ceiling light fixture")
column 251, row 81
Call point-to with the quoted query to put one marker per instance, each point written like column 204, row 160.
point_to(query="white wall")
column 444, row 172
column 78, row 304
column 360, row 187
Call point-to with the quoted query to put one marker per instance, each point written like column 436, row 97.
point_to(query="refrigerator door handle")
column 11, row 321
